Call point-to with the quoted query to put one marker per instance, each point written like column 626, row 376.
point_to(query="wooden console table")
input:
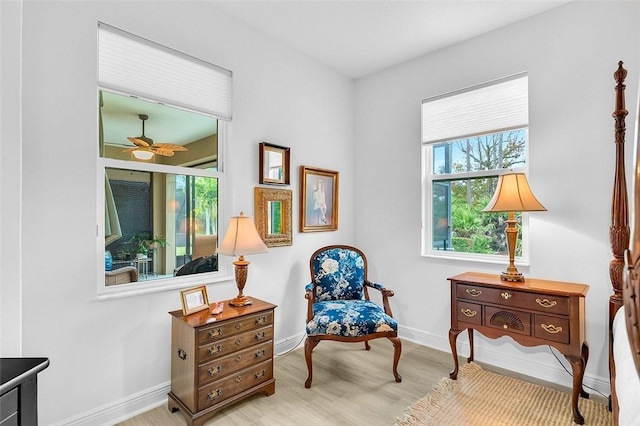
column 19, row 390
column 534, row 312
column 217, row 360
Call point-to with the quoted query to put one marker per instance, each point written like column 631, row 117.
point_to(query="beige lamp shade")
column 241, row 238
column 513, row 194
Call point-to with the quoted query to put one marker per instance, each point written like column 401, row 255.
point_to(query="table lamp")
column 241, row 239
column 513, row 194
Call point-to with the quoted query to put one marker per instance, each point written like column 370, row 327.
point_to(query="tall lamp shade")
column 241, row 239
column 513, row 194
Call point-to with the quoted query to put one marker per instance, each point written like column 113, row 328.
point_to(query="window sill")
column 157, row 286
column 490, row 259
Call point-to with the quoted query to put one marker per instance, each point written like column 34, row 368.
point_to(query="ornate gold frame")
column 312, row 217
column 262, row 197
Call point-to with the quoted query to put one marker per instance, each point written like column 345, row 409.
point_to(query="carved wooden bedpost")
column 619, row 229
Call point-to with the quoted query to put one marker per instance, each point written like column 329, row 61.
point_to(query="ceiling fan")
column 145, row 147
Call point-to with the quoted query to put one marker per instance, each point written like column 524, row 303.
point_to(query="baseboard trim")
column 122, row 409
column 156, row 396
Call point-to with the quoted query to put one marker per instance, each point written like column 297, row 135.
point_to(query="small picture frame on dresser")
column 194, row 300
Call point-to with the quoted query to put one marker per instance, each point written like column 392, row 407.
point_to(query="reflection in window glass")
column 161, row 188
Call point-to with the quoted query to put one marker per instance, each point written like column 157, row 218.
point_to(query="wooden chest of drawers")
column 217, row 360
column 533, row 312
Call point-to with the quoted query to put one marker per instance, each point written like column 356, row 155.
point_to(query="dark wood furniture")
column 217, row 360
column 624, row 246
column 534, row 312
column 19, row 390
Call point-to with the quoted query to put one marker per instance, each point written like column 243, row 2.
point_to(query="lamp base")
column 240, row 301
column 512, row 276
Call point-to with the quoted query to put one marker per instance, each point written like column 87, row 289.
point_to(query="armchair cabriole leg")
column 366, row 345
column 309, row 344
column 397, row 350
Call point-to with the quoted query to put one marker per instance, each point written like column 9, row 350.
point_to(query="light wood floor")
column 350, row 387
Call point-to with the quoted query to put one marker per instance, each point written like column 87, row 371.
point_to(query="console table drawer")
column 9, row 407
column 558, row 305
column 230, row 328
column 469, row 312
column 511, row 320
column 551, row 328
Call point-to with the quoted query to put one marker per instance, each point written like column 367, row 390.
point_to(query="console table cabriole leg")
column 470, row 331
column 453, row 336
column 585, row 358
column 577, row 366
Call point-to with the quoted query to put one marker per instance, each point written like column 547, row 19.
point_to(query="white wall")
column 570, row 54
column 103, row 353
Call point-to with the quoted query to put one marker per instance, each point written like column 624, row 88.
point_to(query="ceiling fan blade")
column 164, row 152
column 138, row 142
column 168, row 146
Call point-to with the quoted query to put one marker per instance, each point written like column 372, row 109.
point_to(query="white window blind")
column 135, row 66
column 492, row 107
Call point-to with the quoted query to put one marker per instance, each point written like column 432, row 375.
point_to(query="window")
column 469, row 138
column 160, row 142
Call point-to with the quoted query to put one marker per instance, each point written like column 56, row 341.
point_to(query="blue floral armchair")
column 339, row 307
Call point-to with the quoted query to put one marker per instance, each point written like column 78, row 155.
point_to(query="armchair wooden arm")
column 386, row 294
column 309, row 295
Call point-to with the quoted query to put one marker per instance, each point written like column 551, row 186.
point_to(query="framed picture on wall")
column 318, row 199
column 274, row 164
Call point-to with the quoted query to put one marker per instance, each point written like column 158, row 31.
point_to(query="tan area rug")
column 481, row 398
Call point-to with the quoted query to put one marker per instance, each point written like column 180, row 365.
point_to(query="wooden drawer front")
column 558, row 305
column 234, row 343
column 469, row 312
column 224, row 366
column 551, row 328
column 503, row 319
column 220, row 331
column 234, row 384
column 9, row 407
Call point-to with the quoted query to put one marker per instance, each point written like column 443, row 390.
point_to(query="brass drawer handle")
column 473, row 292
column 214, row 394
column 469, row 313
column 261, row 320
column 260, row 374
column 506, row 295
column 238, row 326
column 545, row 303
column 551, row 328
column 261, row 335
column 239, row 341
column 182, row 354
column 214, row 370
column 238, row 379
column 260, row 354
column 238, row 358
column 215, row 349
column 215, row 332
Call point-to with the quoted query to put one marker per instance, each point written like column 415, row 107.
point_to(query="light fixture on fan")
column 145, row 148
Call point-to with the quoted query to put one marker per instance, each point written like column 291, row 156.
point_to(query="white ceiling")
column 353, row 37
column 359, row 37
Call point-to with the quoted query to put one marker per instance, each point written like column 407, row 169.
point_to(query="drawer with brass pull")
column 516, row 298
column 218, row 368
column 469, row 312
column 551, row 328
column 234, row 343
column 234, row 384
column 230, row 328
